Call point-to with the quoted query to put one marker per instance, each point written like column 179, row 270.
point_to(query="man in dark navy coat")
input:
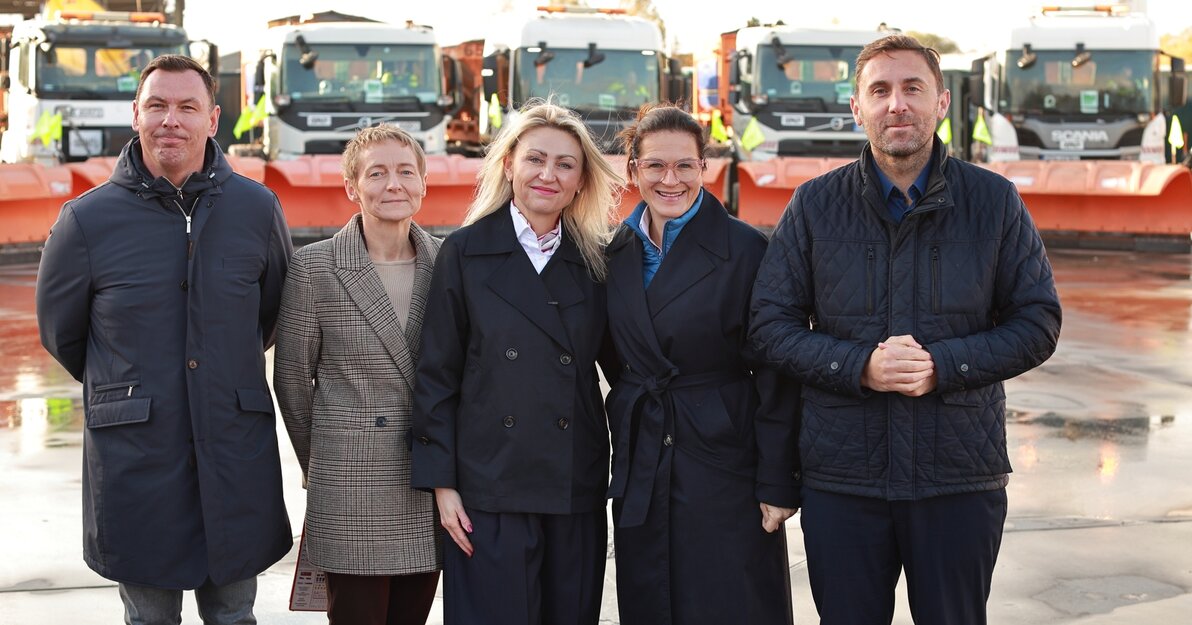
column 159, row 291
column 902, row 290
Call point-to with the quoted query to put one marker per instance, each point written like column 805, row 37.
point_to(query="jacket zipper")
column 103, row 388
column 869, row 278
column 190, row 244
column 935, row 279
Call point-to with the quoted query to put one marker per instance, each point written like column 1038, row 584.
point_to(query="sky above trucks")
column 691, row 26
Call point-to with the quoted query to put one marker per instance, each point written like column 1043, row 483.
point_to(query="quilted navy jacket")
column 965, row 274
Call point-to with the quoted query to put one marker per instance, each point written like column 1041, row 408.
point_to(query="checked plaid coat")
column 344, row 377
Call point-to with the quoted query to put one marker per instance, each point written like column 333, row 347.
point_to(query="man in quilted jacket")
column 902, row 290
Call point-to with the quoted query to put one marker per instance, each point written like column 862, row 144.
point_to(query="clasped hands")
column 900, row 365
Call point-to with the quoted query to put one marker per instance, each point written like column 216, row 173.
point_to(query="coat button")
column 509, row 421
column 796, row 475
column 184, row 285
column 381, row 422
column 511, row 354
column 668, row 441
column 964, row 368
column 192, row 364
column 834, row 366
column 563, row 423
column 424, row 440
column 565, row 359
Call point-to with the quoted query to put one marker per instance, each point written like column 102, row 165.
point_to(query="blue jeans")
column 230, row 604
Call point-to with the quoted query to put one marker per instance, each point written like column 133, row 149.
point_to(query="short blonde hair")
column 591, row 216
column 368, row 137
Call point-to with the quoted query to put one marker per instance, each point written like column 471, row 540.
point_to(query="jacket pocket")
column 833, row 440
column 970, row 435
column 935, row 279
column 252, row 400
column 126, row 387
column 870, row 276
column 122, row 412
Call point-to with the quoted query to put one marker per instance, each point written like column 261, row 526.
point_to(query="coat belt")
column 653, row 411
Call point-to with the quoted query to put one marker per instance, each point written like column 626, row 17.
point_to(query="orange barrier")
column 713, row 181
column 30, row 198
column 1121, row 197
column 311, row 190
column 765, row 187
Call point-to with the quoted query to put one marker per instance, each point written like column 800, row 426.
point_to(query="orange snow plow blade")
column 1072, row 198
column 713, row 181
column 31, row 197
column 96, row 170
column 311, row 190
column 766, row 186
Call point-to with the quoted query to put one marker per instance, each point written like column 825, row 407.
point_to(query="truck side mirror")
column 489, row 74
column 455, row 88
column 976, row 83
column 207, row 55
column 1177, row 83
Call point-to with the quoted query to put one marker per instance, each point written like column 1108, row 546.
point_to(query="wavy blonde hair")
column 591, row 216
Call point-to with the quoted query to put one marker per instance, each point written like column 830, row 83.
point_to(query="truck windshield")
column 625, row 79
column 94, row 71
column 1109, row 82
column 369, row 73
column 819, row 77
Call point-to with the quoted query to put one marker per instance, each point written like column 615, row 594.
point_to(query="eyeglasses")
column 686, row 170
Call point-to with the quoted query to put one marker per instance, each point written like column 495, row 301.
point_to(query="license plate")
column 793, row 120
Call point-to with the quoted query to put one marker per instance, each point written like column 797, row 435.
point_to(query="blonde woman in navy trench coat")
column 705, row 456
column 509, row 424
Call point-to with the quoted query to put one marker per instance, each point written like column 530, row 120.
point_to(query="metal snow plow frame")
column 31, row 196
column 765, row 187
column 311, row 191
column 1106, row 204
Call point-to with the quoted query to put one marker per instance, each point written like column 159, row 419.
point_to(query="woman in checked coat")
column 347, row 346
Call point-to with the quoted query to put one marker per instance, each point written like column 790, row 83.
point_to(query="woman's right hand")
column 453, row 518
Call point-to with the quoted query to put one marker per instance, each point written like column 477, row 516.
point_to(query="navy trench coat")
column 167, row 332
column 507, row 405
column 699, row 437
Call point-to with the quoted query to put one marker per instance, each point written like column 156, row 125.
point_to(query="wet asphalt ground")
column 1100, row 523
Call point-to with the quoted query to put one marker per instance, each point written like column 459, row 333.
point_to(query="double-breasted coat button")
column 184, row 285
column 565, row 359
column 424, row 440
column 668, row 441
column 796, row 474
column 511, row 354
column 563, row 423
column 509, row 421
column 381, row 422
column 964, row 368
column 192, row 364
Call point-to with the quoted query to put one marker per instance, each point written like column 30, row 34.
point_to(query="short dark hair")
column 892, row 43
column 177, row 63
column 652, row 118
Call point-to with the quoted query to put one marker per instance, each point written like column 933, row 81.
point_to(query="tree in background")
column 644, row 9
column 1178, row 45
column 941, row 44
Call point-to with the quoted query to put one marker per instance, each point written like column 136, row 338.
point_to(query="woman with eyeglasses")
column 705, row 466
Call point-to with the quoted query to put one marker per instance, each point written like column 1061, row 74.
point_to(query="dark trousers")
column 857, row 547
column 380, row 599
column 527, row 569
